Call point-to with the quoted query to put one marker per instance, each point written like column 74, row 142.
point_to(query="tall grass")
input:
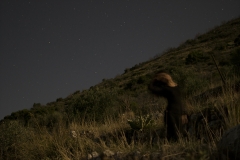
column 79, row 138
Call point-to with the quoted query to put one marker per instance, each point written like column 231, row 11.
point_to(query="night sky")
column 50, row 49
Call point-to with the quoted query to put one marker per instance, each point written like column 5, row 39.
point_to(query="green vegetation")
column 99, row 116
column 141, row 123
column 195, row 57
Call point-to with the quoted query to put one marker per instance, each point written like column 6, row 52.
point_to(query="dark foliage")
column 196, row 56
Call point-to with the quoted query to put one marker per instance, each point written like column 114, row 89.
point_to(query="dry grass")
column 60, row 143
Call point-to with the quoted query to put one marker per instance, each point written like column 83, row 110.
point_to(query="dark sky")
column 50, row 49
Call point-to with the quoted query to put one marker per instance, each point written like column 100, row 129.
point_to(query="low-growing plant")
column 141, row 123
column 220, row 47
column 195, row 57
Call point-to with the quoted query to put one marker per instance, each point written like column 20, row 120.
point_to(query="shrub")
column 196, row 56
column 95, row 104
column 141, row 123
column 54, row 118
column 35, row 105
column 126, row 70
column 12, row 136
column 77, row 92
column 188, row 81
column 130, row 85
column 220, row 47
column 59, row 99
column 144, row 79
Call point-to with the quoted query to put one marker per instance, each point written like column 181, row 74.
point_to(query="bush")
column 126, row 70
column 196, row 56
column 95, row 104
column 220, row 47
column 188, row 81
column 12, row 136
column 130, row 84
column 144, row 79
column 59, row 99
column 141, row 123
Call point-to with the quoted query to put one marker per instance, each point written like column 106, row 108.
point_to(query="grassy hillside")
column 99, row 115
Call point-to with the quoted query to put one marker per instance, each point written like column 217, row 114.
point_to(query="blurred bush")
column 196, row 56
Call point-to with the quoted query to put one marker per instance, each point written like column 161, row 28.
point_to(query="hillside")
column 113, row 101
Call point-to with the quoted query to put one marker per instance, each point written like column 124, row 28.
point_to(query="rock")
column 229, row 145
column 74, row 134
column 108, row 153
column 93, row 155
column 89, row 156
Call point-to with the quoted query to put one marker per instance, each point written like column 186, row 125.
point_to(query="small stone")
column 95, row 154
column 74, row 134
column 89, row 156
column 108, row 153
